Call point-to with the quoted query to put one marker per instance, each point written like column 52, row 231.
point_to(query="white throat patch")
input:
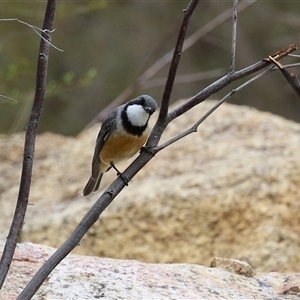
column 137, row 116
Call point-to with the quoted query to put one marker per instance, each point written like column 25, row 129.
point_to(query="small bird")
column 122, row 134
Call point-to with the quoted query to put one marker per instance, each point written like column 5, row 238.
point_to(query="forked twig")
column 291, row 78
column 194, row 127
column 40, row 32
column 225, row 81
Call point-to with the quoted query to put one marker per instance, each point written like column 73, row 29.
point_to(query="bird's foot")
column 121, row 175
column 148, row 149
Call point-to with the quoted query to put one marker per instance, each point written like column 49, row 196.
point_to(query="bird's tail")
column 92, row 185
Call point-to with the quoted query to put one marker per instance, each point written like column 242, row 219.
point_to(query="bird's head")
column 140, row 109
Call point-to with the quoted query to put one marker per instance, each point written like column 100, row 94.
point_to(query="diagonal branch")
column 291, row 78
column 295, row 84
column 163, row 113
column 8, row 98
column 29, row 146
column 226, row 80
column 184, row 78
column 116, row 187
column 233, row 39
column 194, row 128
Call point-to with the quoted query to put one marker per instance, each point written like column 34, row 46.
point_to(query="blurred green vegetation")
column 108, row 44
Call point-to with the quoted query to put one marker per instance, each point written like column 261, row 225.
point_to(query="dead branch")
column 233, row 39
column 44, row 34
column 226, row 80
column 29, row 146
column 291, row 78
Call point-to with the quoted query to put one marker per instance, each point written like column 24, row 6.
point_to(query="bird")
column 122, row 134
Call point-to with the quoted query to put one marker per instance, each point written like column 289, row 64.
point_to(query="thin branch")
column 185, row 78
column 194, row 128
column 290, row 65
column 42, row 33
column 225, row 81
column 220, row 19
column 233, row 39
column 292, row 78
column 8, row 98
column 294, row 55
column 279, row 66
column 108, row 196
column 29, row 146
column 161, row 122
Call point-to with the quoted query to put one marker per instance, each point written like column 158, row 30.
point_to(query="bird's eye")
column 141, row 101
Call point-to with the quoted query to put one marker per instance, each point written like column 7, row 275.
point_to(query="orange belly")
column 119, row 147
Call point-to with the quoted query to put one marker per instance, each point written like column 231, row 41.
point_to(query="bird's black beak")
column 150, row 110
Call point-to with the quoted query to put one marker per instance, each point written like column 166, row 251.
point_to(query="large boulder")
column 87, row 277
column 230, row 190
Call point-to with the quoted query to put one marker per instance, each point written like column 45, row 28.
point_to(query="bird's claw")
column 148, row 149
column 121, row 175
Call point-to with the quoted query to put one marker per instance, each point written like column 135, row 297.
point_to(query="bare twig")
column 291, row 78
column 8, row 98
column 294, row 55
column 116, row 187
column 226, row 80
column 194, row 128
column 233, row 39
column 42, row 33
column 162, row 118
column 29, row 146
column 282, row 52
column 185, row 78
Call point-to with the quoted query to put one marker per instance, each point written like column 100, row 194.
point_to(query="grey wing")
column 107, row 126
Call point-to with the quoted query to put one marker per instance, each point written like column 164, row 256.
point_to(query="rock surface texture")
column 86, row 278
column 231, row 190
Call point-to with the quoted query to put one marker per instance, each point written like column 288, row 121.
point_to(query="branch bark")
column 29, row 146
column 233, row 39
column 163, row 113
column 226, row 80
column 291, row 78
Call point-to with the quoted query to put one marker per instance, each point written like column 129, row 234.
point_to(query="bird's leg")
column 123, row 177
